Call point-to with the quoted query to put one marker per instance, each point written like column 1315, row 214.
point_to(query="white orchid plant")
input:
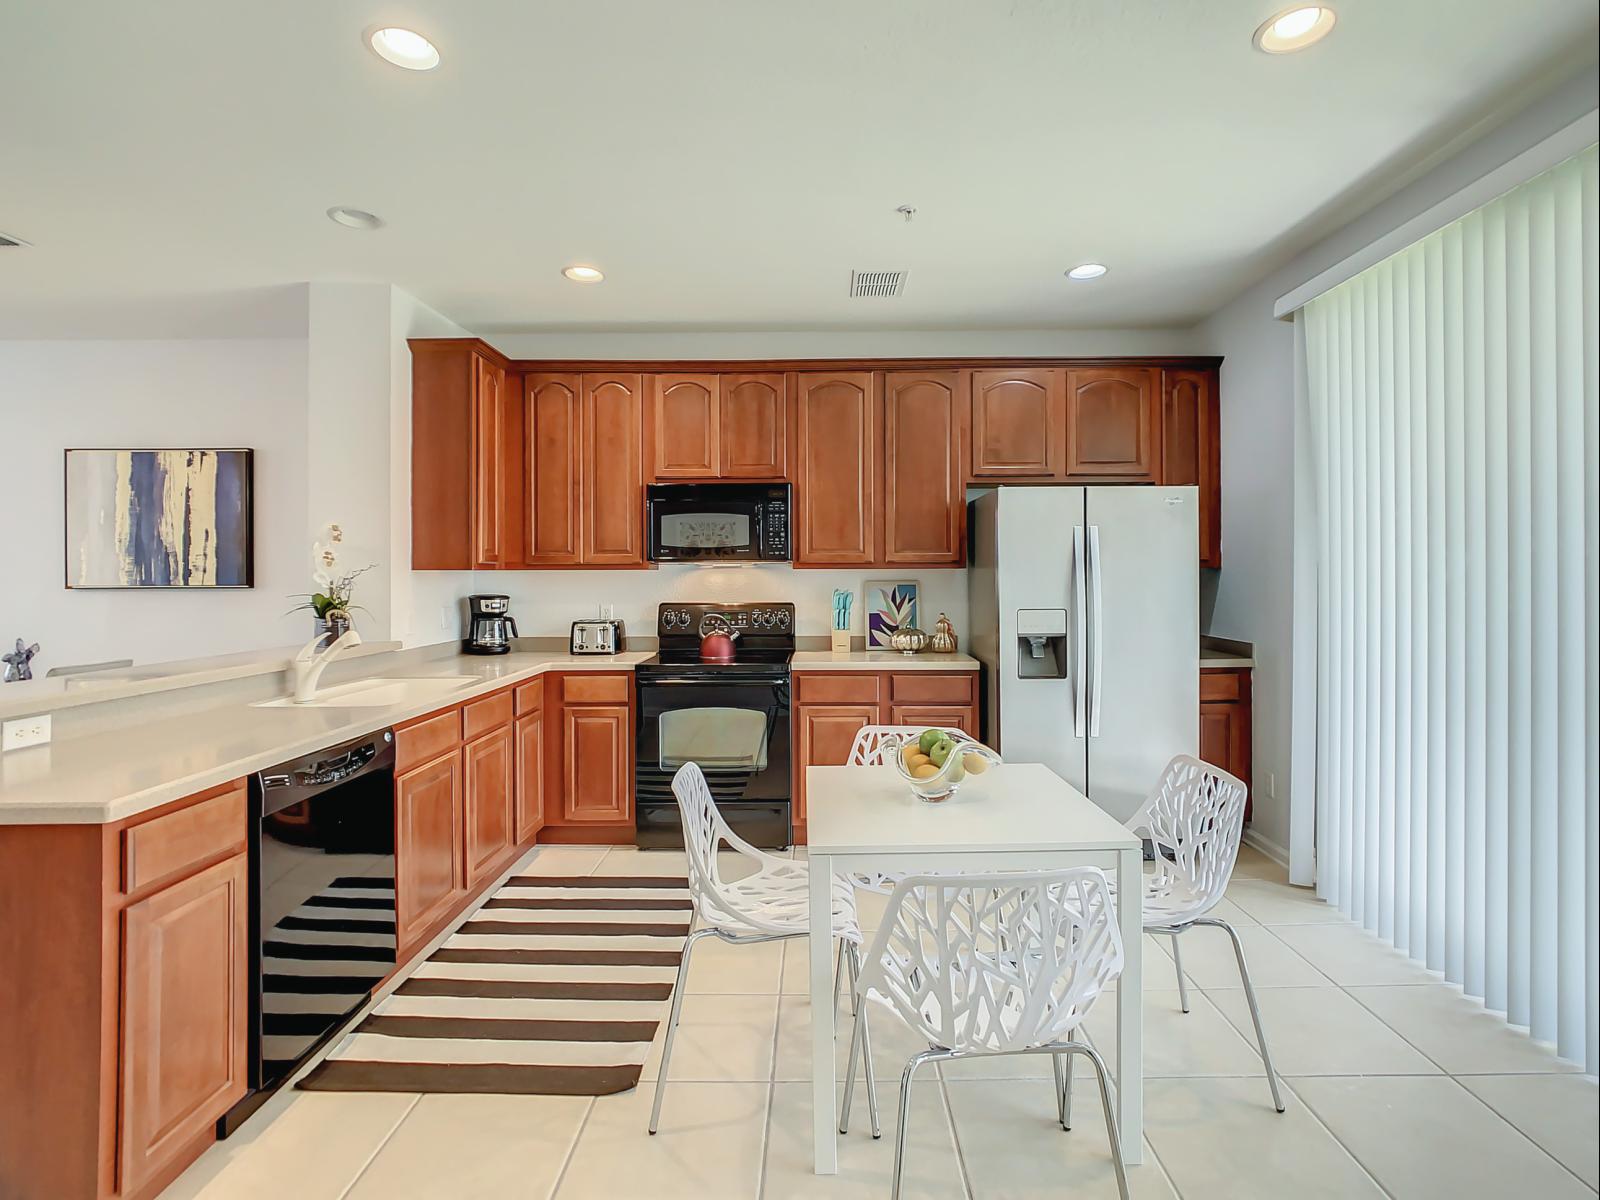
column 335, row 588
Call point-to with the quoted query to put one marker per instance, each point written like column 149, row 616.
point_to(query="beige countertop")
column 98, row 777
column 880, row 660
column 1224, row 658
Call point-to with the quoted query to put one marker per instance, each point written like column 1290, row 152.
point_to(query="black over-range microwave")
column 718, row 522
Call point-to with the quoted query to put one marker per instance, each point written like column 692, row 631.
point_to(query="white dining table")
column 1015, row 816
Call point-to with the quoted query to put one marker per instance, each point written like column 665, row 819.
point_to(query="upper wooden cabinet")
column 1017, row 424
column 488, row 443
column 924, row 496
column 1112, row 415
column 838, row 452
column 753, row 427
column 1192, row 448
column 716, row 426
column 684, row 425
column 553, row 443
column 611, row 516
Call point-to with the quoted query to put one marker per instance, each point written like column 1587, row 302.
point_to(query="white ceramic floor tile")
column 1280, row 904
column 1427, row 1138
column 475, row 1148
column 866, row 1166
column 709, row 1148
column 563, row 860
column 1350, row 956
column 1209, row 961
column 1558, row 1112
column 719, row 966
column 1457, row 1033
column 720, row 1039
column 1253, row 864
column 1176, row 1043
column 1227, row 910
column 629, row 860
column 1219, row 1139
column 1014, row 1148
column 1322, row 1031
column 312, row 1149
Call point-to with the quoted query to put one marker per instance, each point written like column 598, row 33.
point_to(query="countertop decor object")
column 839, row 642
column 943, row 640
column 889, row 605
column 17, row 663
column 159, row 519
column 908, row 640
column 332, row 604
column 952, row 755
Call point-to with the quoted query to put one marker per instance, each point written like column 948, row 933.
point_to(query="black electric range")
column 731, row 718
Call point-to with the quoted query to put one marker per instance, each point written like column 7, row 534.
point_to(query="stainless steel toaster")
column 598, row 635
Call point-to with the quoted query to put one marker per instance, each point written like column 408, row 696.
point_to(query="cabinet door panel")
column 753, row 428
column 488, row 480
column 427, row 834
column 1111, row 424
column 613, row 492
column 684, row 412
column 1017, row 424
column 530, row 776
column 599, row 785
column 944, row 716
column 490, row 790
column 837, row 448
column 185, row 956
column 924, row 499
column 1191, row 449
column 552, row 434
column 825, row 734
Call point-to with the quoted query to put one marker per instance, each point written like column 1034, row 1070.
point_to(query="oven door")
column 694, row 529
column 737, row 731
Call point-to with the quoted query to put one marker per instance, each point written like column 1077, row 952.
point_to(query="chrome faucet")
column 310, row 663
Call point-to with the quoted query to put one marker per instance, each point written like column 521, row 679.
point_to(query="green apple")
column 929, row 739
column 941, row 751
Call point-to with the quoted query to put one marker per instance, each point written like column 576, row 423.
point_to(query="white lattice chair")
column 1194, row 818
column 993, row 964
column 769, row 905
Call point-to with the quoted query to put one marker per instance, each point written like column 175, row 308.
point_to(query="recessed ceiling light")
column 354, row 218
column 403, row 48
column 1086, row 271
column 582, row 274
column 1294, row 29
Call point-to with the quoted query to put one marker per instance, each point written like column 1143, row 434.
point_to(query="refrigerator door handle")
column 1099, row 655
column 1080, row 662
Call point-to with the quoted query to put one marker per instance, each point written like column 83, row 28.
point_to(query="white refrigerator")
column 1084, row 610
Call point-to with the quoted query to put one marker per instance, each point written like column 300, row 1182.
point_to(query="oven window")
column 704, row 531
column 718, row 739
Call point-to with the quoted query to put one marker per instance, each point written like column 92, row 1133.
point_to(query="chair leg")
column 862, row 1032
column 672, row 1024
column 838, row 978
column 1066, row 1087
column 1183, row 986
column 1112, row 1133
column 1255, row 1009
column 905, row 1114
column 1056, row 1062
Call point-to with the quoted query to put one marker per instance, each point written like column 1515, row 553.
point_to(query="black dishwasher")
column 322, row 904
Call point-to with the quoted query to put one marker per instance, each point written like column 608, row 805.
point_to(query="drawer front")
column 428, row 738
column 925, row 688
column 1221, row 685
column 530, row 696
column 170, row 845
column 855, row 687
column 480, row 716
column 596, row 688
column 959, row 717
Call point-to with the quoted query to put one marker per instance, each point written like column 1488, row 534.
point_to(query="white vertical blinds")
column 1454, row 411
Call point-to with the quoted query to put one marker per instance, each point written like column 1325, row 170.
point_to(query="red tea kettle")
column 716, row 638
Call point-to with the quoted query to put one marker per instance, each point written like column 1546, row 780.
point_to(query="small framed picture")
column 889, row 604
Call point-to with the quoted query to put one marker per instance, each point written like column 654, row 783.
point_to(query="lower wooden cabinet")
column 490, row 794
column 185, row 963
column 595, row 752
column 530, row 775
column 823, row 734
column 429, row 874
column 1225, row 722
column 962, row 718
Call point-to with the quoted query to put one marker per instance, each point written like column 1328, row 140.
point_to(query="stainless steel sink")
column 378, row 693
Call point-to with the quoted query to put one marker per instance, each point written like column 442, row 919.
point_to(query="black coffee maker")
column 489, row 629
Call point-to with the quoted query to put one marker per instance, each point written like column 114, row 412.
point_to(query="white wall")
column 1254, row 597
column 57, row 394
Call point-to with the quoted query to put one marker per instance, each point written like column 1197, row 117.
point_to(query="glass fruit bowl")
column 936, row 762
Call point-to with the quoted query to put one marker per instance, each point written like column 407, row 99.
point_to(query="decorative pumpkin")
column 907, row 639
column 943, row 640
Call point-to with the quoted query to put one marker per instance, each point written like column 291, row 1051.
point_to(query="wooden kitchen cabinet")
column 553, row 457
column 530, row 775
column 185, row 1008
column 838, row 454
column 714, row 426
column 823, row 736
column 428, row 835
column 753, row 427
column 1018, row 417
column 1225, row 722
column 684, row 426
column 595, row 741
column 925, row 415
column 611, row 522
column 945, row 716
column 489, row 478
column 490, row 783
column 1191, row 431
column 1112, row 415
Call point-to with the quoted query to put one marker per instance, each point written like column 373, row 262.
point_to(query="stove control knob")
column 782, row 616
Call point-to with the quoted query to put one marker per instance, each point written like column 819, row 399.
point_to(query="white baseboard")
column 1268, row 847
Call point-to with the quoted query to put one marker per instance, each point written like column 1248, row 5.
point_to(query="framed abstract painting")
column 159, row 519
column 888, row 605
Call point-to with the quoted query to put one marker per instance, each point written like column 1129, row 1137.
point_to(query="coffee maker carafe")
column 490, row 629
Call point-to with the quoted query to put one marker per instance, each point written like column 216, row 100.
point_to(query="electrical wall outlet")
column 25, row 731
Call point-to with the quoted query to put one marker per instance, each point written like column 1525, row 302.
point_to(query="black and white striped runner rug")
column 555, row 986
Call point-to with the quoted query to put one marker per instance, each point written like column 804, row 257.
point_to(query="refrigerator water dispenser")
column 1041, row 643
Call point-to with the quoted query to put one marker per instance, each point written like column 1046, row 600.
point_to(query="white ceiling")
column 727, row 162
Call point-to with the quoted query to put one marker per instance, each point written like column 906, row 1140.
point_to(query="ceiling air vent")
column 6, row 241
column 877, row 283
